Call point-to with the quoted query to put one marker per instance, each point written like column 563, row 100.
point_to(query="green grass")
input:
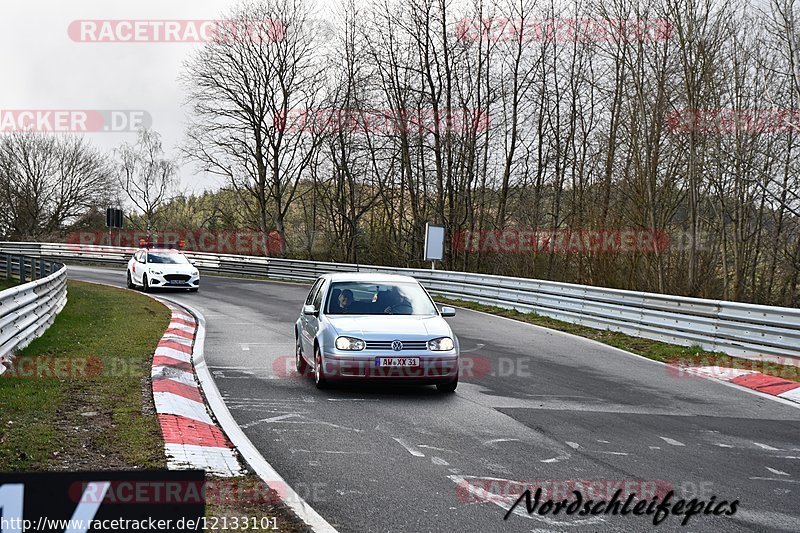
column 658, row 351
column 8, row 283
column 79, row 397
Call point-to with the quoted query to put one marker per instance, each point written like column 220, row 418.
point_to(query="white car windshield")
column 361, row 298
column 167, row 258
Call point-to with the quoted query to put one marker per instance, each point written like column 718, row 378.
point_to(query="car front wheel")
column 145, row 285
column 319, row 372
column 300, row 363
column 129, row 281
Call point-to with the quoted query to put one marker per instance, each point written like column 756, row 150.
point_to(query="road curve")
column 540, row 405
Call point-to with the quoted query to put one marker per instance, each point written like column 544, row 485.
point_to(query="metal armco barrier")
column 744, row 330
column 28, row 309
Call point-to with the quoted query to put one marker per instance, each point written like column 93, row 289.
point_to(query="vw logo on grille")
column 397, row 346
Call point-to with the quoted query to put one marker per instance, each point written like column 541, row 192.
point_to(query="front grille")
column 177, row 277
column 387, row 345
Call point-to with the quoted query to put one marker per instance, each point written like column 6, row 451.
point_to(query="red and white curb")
column 750, row 379
column 251, row 455
column 191, row 437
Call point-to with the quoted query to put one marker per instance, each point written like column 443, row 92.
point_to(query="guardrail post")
column 22, row 269
column 8, row 266
column 42, row 268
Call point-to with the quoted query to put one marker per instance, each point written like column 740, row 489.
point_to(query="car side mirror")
column 309, row 310
column 448, row 311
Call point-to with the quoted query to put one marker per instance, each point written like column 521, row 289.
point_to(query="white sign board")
column 434, row 242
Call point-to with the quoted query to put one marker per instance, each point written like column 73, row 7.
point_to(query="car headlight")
column 195, row 273
column 442, row 344
column 156, row 272
column 350, row 343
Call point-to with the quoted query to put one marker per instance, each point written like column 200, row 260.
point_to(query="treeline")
column 679, row 117
column 671, row 115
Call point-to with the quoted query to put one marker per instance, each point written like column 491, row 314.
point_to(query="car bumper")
column 159, row 281
column 432, row 368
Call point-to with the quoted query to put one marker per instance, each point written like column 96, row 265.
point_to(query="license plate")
column 176, row 282
column 397, row 361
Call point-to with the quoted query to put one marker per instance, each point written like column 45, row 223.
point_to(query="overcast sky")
column 43, row 68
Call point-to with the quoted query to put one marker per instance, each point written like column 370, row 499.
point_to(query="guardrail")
column 28, row 309
column 743, row 330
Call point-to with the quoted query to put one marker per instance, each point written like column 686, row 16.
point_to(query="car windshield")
column 362, row 298
column 167, row 258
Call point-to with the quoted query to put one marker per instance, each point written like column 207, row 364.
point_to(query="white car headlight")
column 350, row 343
column 442, row 344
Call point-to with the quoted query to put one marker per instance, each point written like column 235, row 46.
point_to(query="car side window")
column 318, row 297
column 138, row 256
column 313, row 292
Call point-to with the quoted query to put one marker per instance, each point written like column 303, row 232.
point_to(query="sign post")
column 113, row 221
column 434, row 244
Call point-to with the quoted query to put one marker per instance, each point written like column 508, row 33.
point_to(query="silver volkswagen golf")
column 375, row 326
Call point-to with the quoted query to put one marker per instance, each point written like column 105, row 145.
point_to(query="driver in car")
column 345, row 300
column 391, row 298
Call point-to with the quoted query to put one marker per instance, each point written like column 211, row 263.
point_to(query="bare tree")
column 145, row 175
column 48, row 182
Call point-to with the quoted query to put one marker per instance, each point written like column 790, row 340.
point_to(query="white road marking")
column 655, row 447
column 603, row 441
column 573, row 445
column 770, row 520
column 767, row 447
column 477, row 347
column 723, row 445
column 613, row 453
column 553, row 460
column 435, row 448
column 409, row 448
column 439, row 461
column 245, row 348
column 673, row 442
column 269, row 420
column 775, row 479
column 776, row 472
column 495, row 441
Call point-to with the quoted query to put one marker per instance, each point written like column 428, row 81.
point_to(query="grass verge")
column 8, row 283
column 659, row 351
column 79, row 397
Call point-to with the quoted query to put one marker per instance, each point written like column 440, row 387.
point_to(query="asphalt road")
column 540, row 406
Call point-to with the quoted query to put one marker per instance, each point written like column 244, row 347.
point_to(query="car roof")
column 372, row 277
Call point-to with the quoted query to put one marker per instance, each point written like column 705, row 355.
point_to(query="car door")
column 308, row 345
column 137, row 268
column 312, row 322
